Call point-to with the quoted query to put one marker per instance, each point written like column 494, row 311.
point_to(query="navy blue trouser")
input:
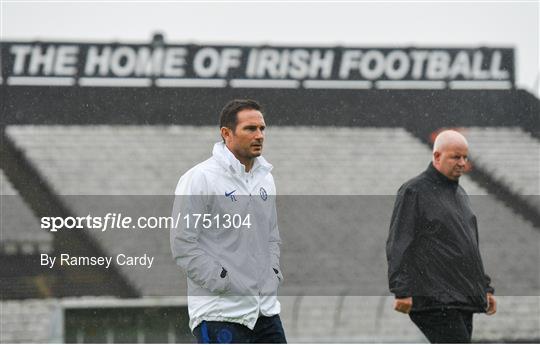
column 268, row 329
column 450, row 326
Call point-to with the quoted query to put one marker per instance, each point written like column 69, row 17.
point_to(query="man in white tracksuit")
column 227, row 239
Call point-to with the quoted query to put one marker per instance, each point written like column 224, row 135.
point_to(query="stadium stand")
column 512, row 156
column 17, row 220
column 332, row 319
column 333, row 213
column 21, row 242
column 139, row 160
column 30, row 321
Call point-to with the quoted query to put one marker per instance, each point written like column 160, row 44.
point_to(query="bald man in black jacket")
column 434, row 266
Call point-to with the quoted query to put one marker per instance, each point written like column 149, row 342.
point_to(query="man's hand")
column 492, row 304
column 403, row 305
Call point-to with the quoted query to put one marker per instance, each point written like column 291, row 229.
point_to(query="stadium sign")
column 218, row 66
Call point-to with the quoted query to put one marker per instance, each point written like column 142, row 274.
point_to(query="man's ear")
column 436, row 156
column 226, row 133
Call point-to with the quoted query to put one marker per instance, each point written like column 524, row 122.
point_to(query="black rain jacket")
column 432, row 248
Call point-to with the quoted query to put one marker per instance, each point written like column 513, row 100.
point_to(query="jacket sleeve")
column 489, row 288
column 274, row 241
column 191, row 197
column 487, row 278
column 400, row 238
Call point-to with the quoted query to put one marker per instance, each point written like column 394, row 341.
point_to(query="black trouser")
column 445, row 325
column 268, row 329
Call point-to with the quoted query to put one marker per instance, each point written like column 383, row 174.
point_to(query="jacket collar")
column 230, row 163
column 438, row 177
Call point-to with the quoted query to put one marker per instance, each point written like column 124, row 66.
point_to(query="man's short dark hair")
column 229, row 114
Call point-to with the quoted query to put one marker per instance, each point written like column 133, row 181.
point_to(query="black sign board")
column 220, row 66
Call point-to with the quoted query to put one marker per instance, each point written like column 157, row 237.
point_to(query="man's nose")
column 462, row 161
column 259, row 135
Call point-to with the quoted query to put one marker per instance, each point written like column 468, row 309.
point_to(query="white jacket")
column 220, row 186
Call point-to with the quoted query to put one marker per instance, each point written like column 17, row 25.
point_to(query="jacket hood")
column 230, row 163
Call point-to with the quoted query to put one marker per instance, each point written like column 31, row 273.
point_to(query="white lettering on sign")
column 98, row 60
column 175, row 60
column 461, row 66
column 397, row 64
column 223, row 64
column 40, row 59
column 268, row 63
column 209, row 62
column 437, row 65
column 299, row 64
column 148, row 62
column 421, row 64
column 290, row 63
column 478, row 72
column 350, row 60
column 66, row 60
column 127, row 61
column 20, row 52
column 58, row 60
column 230, row 58
column 496, row 71
column 251, row 63
column 283, row 65
column 372, row 65
column 206, row 62
column 419, row 58
column 321, row 64
column 123, row 61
